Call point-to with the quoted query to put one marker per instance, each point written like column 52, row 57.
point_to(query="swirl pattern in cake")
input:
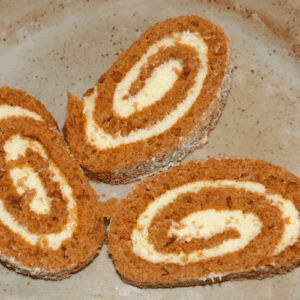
column 210, row 221
column 49, row 220
column 156, row 104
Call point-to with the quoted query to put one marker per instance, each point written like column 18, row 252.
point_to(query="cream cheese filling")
column 164, row 76
column 7, row 111
column 205, row 224
column 161, row 81
column 25, row 179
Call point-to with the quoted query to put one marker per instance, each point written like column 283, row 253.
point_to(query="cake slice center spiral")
column 207, row 223
column 25, row 179
column 149, row 94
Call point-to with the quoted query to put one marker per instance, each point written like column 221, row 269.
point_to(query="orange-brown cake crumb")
column 208, row 221
column 109, row 207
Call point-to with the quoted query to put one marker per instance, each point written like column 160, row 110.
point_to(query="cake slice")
column 50, row 226
column 208, row 221
column 155, row 105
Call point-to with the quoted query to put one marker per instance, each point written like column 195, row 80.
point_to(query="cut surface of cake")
column 156, row 104
column 205, row 222
column 50, row 225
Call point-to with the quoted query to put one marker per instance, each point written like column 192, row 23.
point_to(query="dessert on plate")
column 208, row 221
column 156, row 104
column 50, row 225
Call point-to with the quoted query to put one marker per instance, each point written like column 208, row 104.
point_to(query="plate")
column 50, row 47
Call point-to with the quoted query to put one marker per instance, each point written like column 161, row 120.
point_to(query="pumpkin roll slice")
column 50, row 225
column 156, row 104
column 208, row 221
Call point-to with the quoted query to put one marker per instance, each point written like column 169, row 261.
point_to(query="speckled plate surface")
column 50, row 47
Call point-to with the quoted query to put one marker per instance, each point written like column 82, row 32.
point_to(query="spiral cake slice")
column 155, row 105
column 50, row 225
column 209, row 221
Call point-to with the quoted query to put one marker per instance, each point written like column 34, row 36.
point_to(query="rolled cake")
column 156, row 104
column 50, row 225
column 209, row 221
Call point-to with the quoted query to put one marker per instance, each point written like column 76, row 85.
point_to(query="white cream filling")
column 205, row 224
column 7, row 111
column 25, row 179
column 149, row 95
column 16, row 146
column 161, row 81
column 195, row 225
